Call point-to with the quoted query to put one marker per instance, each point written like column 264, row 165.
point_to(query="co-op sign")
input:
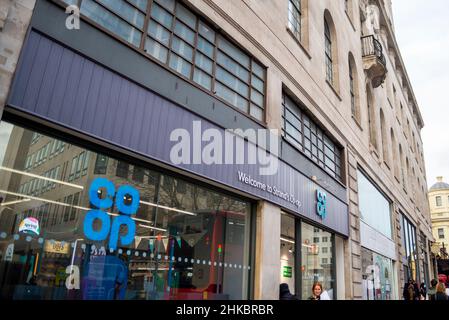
column 321, row 202
column 111, row 226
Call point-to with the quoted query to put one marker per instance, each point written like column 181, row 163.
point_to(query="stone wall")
column 15, row 16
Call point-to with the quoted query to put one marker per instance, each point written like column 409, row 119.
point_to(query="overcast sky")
column 422, row 32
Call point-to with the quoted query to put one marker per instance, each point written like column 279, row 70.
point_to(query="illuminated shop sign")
column 30, row 226
column 123, row 219
column 56, row 247
column 321, row 205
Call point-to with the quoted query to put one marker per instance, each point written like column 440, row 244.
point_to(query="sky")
column 422, row 33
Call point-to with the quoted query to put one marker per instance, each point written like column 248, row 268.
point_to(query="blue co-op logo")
column 126, row 210
column 321, row 205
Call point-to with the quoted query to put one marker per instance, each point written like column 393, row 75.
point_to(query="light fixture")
column 168, row 208
column 290, row 250
column 287, row 240
column 150, row 227
column 15, row 202
column 41, row 177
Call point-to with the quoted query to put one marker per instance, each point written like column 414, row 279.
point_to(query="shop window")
column 377, row 276
column 314, row 267
column 288, row 274
column 190, row 241
column 409, row 235
column 374, row 206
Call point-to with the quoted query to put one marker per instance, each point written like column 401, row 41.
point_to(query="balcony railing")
column 374, row 61
column 372, row 47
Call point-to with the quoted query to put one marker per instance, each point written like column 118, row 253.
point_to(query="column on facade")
column 267, row 262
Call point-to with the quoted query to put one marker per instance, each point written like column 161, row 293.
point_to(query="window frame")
column 317, row 138
column 329, row 66
column 250, row 106
column 438, row 201
column 295, row 28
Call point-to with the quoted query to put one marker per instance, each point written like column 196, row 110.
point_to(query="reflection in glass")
column 190, row 242
column 317, row 266
column 287, row 274
column 377, row 276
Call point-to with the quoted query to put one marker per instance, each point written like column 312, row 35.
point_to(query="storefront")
column 189, row 242
column 93, row 207
column 379, row 276
column 410, row 260
column 310, row 260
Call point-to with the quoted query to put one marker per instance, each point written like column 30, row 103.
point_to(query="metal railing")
column 371, row 46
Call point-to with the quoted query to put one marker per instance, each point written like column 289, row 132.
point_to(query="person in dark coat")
column 285, row 294
column 423, row 291
column 411, row 290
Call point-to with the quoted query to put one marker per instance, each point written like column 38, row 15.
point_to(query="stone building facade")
column 439, row 210
column 328, row 75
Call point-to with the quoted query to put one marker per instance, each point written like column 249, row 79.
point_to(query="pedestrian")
column 285, row 294
column 441, row 292
column 433, row 289
column 423, row 291
column 317, row 289
column 411, row 291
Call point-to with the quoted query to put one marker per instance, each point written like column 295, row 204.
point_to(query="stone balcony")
column 374, row 62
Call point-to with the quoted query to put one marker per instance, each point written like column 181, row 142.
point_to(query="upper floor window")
column 438, row 201
column 328, row 52
column 294, row 17
column 353, row 89
column 348, row 8
column 441, row 233
column 177, row 38
column 307, row 136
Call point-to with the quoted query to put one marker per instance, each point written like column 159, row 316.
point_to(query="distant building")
column 439, row 210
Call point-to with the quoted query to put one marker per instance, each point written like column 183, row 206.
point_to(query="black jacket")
column 440, row 296
column 414, row 290
column 285, row 294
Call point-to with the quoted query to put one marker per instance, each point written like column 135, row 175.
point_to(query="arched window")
column 371, row 117
column 383, row 129
column 401, row 156
column 407, row 174
column 354, row 88
column 330, row 50
column 348, row 8
column 295, row 17
column 396, row 163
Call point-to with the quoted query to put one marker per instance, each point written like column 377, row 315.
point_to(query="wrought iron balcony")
column 374, row 61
